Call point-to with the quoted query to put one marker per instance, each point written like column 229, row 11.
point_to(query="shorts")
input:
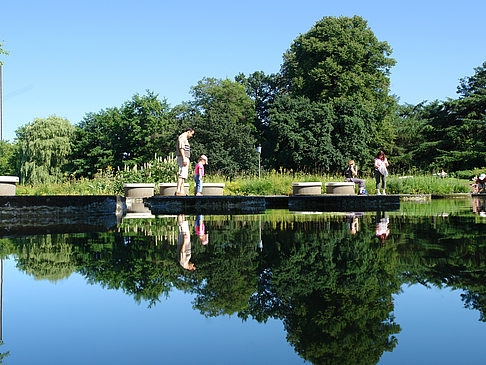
column 183, row 170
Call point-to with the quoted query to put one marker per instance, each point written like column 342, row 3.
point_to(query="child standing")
column 199, row 173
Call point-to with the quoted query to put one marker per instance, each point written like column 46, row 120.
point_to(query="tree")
column 452, row 134
column 131, row 134
column 8, row 158
column 301, row 134
column 223, row 117
column 45, row 148
column 339, row 60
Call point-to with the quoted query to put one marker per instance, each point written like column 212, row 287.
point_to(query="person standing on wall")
column 381, row 171
column 183, row 154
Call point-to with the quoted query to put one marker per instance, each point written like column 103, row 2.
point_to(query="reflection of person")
column 184, row 244
column 353, row 221
column 479, row 205
column 201, row 230
column 183, row 154
column 199, row 173
column 382, row 230
column 381, row 171
column 351, row 174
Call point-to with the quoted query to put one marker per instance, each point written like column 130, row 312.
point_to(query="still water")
column 401, row 287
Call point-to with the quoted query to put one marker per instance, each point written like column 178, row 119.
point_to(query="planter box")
column 168, row 189
column 340, row 188
column 306, row 188
column 139, row 190
column 8, row 185
column 213, row 189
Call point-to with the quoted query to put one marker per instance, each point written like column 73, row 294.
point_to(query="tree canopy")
column 223, row 116
column 131, row 134
column 45, row 148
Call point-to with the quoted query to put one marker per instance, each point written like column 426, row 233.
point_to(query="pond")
column 399, row 287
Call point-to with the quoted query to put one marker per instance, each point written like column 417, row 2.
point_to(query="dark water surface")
column 403, row 287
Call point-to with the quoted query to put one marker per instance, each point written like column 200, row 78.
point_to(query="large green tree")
column 339, row 58
column 339, row 61
column 45, row 146
column 223, row 115
column 131, row 134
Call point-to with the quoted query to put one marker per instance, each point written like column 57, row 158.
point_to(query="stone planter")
column 139, row 190
column 306, row 188
column 8, row 185
column 213, row 189
column 168, row 189
column 340, row 188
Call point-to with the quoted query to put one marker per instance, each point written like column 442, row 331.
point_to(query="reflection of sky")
column 72, row 322
column 436, row 329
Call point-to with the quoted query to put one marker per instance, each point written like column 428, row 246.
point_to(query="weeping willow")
column 45, row 147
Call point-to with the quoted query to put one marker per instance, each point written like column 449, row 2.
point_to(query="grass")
column 270, row 183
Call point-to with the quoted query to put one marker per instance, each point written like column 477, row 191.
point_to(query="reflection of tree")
column 134, row 264
column 46, row 257
column 332, row 290
column 227, row 269
column 446, row 252
column 334, row 293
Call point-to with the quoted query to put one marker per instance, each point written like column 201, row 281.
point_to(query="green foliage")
column 122, row 136
column 338, row 106
column 450, row 135
column 469, row 174
column 223, row 117
column 108, row 181
column 45, row 146
column 425, row 184
column 8, row 158
column 301, row 134
column 338, row 58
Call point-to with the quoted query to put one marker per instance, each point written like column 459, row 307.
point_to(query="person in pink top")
column 381, row 171
column 199, row 173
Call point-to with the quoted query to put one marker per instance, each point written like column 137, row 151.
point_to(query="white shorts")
column 183, row 170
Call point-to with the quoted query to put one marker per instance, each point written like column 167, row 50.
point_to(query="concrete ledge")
column 306, row 188
column 213, row 189
column 139, row 190
column 26, row 215
column 169, row 189
column 8, row 185
column 205, row 204
column 340, row 188
column 276, row 201
column 344, row 203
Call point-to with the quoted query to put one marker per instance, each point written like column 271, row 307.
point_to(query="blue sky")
column 69, row 58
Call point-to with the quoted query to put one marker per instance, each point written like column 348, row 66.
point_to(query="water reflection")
column 382, row 229
column 326, row 277
column 184, row 244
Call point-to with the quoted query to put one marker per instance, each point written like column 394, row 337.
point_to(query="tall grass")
column 270, row 183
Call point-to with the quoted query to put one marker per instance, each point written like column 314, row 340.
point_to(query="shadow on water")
column 329, row 277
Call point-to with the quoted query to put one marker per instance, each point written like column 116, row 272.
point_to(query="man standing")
column 183, row 154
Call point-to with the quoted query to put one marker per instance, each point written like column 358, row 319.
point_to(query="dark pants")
column 380, row 178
